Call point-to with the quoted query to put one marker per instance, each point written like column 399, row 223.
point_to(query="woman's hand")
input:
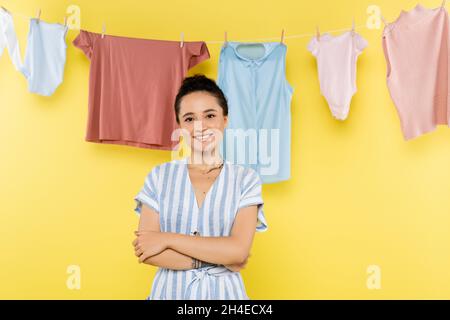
column 237, row 267
column 148, row 243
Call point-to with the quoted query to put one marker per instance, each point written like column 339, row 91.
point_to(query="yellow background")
column 359, row 195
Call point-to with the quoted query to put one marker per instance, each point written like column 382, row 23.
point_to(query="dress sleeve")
column 148, row 194
column 84, row 41
column 360, row 43
column 198, row 52
column 313, row 46
column 251, row 195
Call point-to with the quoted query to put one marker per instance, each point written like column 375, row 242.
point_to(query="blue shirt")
column 45, row 56
column 252, row 77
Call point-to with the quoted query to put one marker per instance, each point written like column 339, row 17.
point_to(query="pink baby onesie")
column 416, row 50
column 336, row 63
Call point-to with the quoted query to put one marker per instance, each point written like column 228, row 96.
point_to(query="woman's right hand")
column 149, row 243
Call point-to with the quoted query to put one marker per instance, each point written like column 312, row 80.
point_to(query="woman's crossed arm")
column 175, row 251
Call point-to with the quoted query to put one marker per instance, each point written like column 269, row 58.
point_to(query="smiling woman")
column 198, row 215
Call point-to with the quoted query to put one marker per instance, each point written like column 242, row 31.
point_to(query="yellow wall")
column 358, row 196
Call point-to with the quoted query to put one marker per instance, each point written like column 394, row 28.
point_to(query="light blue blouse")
column 252, row 77
column 168, row 191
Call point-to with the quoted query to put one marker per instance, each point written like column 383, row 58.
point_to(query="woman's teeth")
column 204, row 137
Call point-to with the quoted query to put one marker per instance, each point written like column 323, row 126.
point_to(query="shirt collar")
column 268, row 46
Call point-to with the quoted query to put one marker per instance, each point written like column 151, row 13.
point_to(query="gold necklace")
column 209, row 178
column 204, row 172
column 209, row 170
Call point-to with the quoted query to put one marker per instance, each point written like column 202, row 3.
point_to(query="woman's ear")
column 225, row 120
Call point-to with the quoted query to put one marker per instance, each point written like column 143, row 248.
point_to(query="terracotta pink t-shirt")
column 416, row 49
column 133, row 83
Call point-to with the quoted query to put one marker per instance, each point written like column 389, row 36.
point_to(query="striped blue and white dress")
column 168, row 190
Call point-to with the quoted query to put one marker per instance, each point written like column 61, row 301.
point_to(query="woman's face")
column 202, row 119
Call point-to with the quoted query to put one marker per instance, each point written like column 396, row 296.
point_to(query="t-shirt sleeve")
column 251, row 195
column 148, row 195
column 360, row 43
column 313, row 46
column 198, row 52
column 84, row 41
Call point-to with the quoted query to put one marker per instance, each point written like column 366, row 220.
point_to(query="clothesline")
column 17, row 14
column 293, row 36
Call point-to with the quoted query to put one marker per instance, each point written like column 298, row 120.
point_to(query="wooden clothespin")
column 317, row 33
column 103, row 30
column 38, row 16
column 225, row 41
column 5, row 9
column 282, row 35
column 353, row 27
column 443, row 3
column 384, row 20
column 182, row 40
column 65, row 21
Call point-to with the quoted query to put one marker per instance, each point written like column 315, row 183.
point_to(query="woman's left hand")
column 237, row 267
column 148, row 243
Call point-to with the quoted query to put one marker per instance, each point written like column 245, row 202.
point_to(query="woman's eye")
column 188, row 120
column 211, row 115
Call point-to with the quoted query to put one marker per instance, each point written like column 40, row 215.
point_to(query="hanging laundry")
column 336, row 58
column 45, row 56
column 132, row 87
column 8, row 39
column 416, row 50
column 258, row 135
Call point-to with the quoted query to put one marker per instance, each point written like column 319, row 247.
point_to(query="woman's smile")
column 204, row 137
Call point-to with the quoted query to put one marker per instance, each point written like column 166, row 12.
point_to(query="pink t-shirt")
column 416, row 49
column 133, row 83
